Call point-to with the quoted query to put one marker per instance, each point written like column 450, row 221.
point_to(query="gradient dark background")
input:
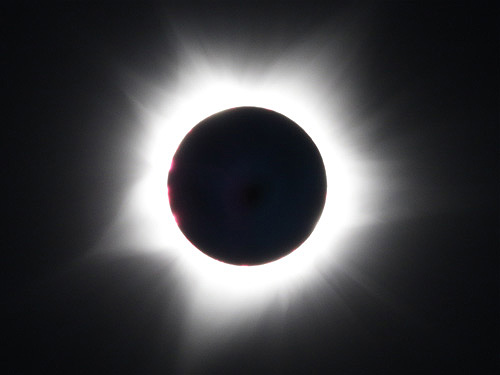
column 70, row 128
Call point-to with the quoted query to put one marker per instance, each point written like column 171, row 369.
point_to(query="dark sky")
column 70, row 129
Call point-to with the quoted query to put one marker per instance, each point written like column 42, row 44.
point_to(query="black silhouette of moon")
column 247, row 186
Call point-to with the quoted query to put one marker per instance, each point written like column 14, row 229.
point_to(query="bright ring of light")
column 212, row 288
column 213, row 95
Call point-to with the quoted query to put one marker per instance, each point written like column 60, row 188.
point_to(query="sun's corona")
column 157, row 227
column 211, row 289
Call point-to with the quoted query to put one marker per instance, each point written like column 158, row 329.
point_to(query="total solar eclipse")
column 247, row 186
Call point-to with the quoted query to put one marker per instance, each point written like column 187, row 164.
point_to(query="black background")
column 69, row 130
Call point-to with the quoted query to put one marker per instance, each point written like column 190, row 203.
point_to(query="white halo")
column 216, row 294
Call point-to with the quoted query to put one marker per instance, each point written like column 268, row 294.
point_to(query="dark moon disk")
column 247, row 186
